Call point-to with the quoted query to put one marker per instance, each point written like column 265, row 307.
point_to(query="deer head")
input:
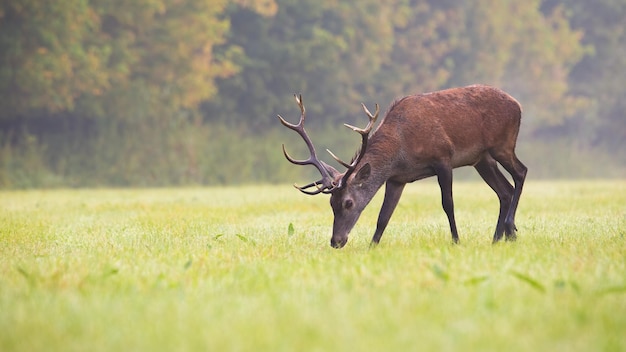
column 350, row 191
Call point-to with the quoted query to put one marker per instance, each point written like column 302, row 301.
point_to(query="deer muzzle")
column 338, row 242
column 342, row 225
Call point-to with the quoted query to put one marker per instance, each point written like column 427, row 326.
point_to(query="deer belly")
column 466, row 156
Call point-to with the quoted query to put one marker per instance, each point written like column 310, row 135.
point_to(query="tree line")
column 177, row 92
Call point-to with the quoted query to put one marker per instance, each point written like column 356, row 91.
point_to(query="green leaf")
column 290, row 230
column 245, row 239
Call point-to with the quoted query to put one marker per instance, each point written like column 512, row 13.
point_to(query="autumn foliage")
column 168, row 92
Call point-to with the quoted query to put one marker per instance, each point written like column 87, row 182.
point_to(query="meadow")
column 250, row 269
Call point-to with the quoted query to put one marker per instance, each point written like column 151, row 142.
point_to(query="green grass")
column 214, row 269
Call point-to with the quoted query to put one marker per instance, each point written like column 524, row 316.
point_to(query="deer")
column 420, row 136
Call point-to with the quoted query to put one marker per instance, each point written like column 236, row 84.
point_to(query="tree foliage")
column 326, row 50
column 158, row 91
column 121, row 59
column 46, row 58
column 515, row 46
column 339, row 54
column 599, row 75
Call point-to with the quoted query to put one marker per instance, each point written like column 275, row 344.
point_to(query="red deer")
column 420, row 136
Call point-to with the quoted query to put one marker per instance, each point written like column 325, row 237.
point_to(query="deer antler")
column 364, row 132
column 326, row 184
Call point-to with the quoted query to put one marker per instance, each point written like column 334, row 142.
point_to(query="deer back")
column 457, row 125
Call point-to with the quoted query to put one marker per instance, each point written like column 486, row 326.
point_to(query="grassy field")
column 250, row 268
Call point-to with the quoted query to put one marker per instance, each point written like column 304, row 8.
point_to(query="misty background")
column 182, row 92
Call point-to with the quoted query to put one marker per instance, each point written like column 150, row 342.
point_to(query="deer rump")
column 421, row 136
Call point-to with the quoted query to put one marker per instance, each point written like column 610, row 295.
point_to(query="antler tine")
column 364, row 132
column 346, row 165
column 294, row 161
column 301, row 105
column 300, row 124
column 299, row 128
column 370, row 125
column 287, row 124
column 372, row 117
column 317, row 184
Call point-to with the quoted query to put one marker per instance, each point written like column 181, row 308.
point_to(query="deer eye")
column 348, row 203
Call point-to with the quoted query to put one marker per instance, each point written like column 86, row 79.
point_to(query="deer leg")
column 444, row 177
column 518, row 171
column 488, row 170
column 393, row 191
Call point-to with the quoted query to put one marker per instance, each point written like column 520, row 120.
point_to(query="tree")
column 108, row 90
column 161, row 55
column 515, row 46
column 118, row 58
column 424, row 37
column 47, row 59
column 600, row 74
column 329, row 51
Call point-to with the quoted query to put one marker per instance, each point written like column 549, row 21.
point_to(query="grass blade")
column 440, row 273
column 611, row 290
column 530, row 281
column 476, row 280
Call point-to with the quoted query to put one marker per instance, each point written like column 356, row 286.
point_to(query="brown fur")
column 458, row 125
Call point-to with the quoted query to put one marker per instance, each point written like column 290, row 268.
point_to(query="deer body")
column 429, row 135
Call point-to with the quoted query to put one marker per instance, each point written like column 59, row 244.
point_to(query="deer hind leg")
column 444, row 177
column 488, row 170
column 518, row 171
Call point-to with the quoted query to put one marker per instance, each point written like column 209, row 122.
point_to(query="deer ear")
column 363, row 174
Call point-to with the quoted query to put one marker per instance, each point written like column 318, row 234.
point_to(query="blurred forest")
column 183, row 92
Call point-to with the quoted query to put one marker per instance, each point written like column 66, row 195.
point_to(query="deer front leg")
column 393, row 191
